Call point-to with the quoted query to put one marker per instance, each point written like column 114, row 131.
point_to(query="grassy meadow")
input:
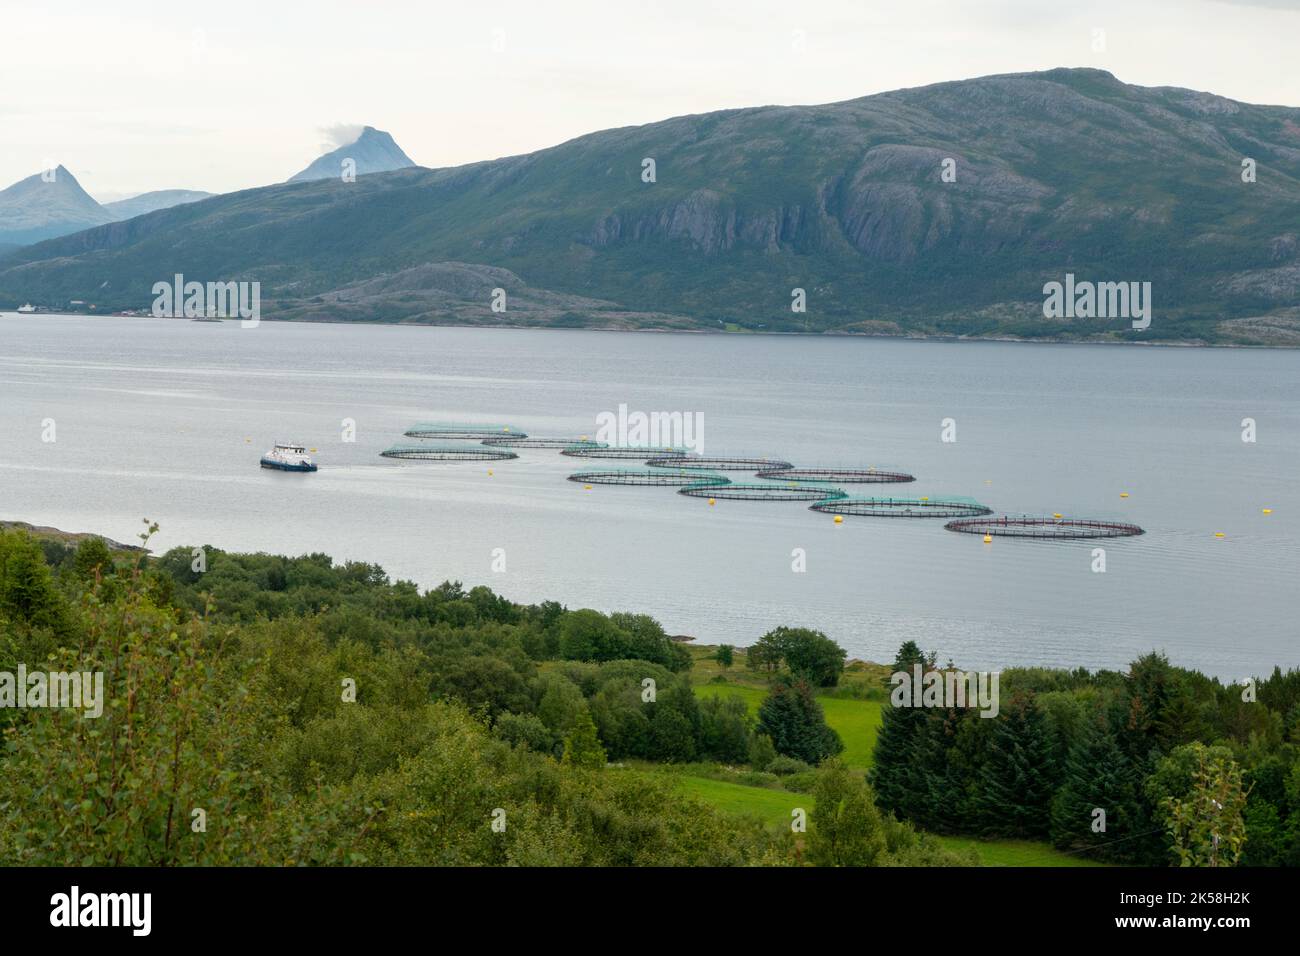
column 854, row 710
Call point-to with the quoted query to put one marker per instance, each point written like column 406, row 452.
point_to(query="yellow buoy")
column 839, row 519
column 1056, row 514
column 925, row 499
column 1218, row 534
column 988, row 539
column 313, row 451
column 587, row 487
column 1123, row 494
column 489, row 472
column 582, row 438
column 1268, row 511
column 712, row 502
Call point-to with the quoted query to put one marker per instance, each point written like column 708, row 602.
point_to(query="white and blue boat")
column 288, row 458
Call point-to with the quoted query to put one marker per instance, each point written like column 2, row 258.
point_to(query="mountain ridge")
column 152, row 201
column 1068, row 170
column 46, row 205
column 53, row 203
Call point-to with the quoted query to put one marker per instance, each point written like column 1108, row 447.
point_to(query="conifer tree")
column 1097, row 776
column 891, row 776
column 937, row 785
column 791, row 716
column 1018, row 779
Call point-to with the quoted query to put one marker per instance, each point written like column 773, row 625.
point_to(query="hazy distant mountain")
column 374, row 151
column 1066, row 171
column 47, row 205
column 150, row 202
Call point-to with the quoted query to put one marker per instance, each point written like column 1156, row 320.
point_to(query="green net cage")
column 762, row 492
column 1054, row 528
column 431, row 452
column 451, row 430
column 923, row 507
column 649, row 476
column 526, row 441
column 672, row 456
column 707, row 463
column 843, row 476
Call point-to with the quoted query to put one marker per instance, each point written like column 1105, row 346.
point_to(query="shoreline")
column 691, row 641
column 70, row 537
column 912, row 337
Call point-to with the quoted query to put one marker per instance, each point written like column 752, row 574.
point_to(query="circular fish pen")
column 703, row 463
column 523, row 441
column 672, row 456
column 767, row 492
column 458, row 430
column 649, row 476
column 1044, row 528
column 845, row 476
column 448, row 453
column 903, row 507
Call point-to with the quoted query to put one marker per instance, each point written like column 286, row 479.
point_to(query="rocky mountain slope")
column 1065, row 171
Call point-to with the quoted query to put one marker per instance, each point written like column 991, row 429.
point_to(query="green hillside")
column 1056, row 172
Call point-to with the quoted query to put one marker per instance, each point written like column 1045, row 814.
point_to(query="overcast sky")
column 135, row 95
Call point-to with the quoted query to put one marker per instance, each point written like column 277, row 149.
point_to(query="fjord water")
column 166, row 419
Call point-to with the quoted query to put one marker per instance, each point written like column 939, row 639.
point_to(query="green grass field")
column 1015, row 852
column 856, row 721
column 773, row 807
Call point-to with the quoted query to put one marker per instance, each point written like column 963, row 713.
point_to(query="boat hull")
column 282, row 466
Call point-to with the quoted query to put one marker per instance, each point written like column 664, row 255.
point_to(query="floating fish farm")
column 701, row 476
column 767, row 492
column 448, row 453
column 649, row 476
column 847, row 476
column 455, row 430
column 702, row 463
column 903, row 507
column 671, row 456
column 1044, row 528
column 523, row 441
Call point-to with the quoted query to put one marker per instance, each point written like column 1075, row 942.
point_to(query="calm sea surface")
column 166, row 419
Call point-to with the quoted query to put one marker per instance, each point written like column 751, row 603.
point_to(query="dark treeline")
column 1185, row 769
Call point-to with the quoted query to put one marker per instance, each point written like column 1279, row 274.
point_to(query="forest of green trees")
column 1185, row 769
column 269, row 711
column 263, row 710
